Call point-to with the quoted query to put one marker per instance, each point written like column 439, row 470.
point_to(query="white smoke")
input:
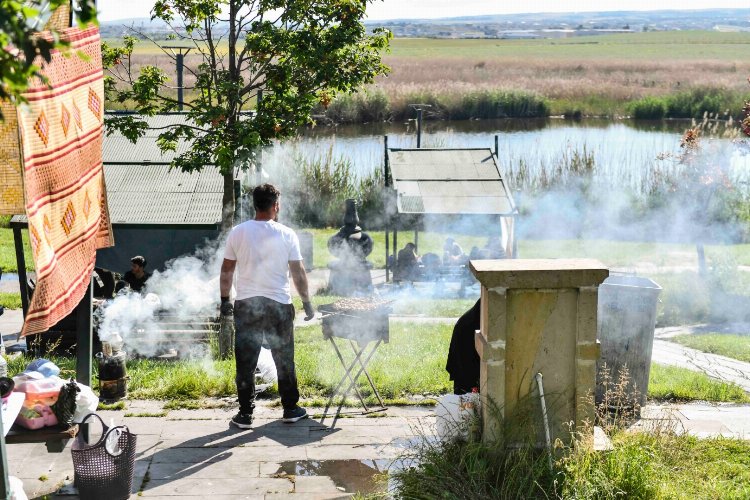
column 182, row 297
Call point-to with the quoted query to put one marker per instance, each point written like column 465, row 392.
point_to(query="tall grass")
column 377, row 106
column 695, row 103
column 319, row 186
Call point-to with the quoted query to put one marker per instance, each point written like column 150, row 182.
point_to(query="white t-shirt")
column 263, row 250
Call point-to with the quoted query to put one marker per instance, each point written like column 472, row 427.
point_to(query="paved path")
column 699, row 419
column 194, row 453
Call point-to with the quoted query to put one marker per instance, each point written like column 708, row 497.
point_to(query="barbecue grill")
column 359, row 322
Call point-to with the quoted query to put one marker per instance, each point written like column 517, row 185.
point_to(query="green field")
column 664, row 45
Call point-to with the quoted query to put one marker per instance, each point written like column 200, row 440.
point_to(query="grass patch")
column 10, row 300
column 729, row 345
column 410, row 369
column 680, row 384
column 157, row 414
column 642, row 466
column 120, row 405
column 8, row 251
column 413, row 362
column 659, row 466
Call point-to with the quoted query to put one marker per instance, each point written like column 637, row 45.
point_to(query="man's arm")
column 299, row 276
column 225, row 278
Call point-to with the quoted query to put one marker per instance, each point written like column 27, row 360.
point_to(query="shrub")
column 649, row 108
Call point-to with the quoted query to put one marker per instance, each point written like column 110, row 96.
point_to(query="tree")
column 20, row 45
column 298, row 53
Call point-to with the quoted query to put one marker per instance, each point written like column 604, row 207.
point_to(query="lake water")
column 623, row 150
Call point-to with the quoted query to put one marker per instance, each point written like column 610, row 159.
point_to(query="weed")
column 147, row 414
column 184, row 404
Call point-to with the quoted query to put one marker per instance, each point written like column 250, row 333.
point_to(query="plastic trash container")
column 626, row 321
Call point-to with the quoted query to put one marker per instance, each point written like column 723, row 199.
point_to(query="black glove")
column 227, row 309
column 309, row 310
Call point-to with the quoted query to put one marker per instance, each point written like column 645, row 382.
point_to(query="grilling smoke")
column 185, row 292
column 663, row 202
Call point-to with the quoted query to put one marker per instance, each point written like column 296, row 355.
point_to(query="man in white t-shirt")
column 264, row 253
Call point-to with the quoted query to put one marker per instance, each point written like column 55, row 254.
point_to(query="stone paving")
column 191, row 453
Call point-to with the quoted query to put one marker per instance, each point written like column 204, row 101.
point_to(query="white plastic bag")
column 86, row 402
column 266, row 367
column 454, row 415
column 16, row 489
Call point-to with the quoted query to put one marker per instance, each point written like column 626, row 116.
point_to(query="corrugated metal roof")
column 116, row 148
column 449, row 181
column 152, row 194
column 142, row 189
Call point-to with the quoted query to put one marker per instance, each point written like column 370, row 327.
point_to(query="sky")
column 111, row 10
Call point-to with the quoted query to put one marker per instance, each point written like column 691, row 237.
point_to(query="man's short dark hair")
column 264, row 197
column 139, row 259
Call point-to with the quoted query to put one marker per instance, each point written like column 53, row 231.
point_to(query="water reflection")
column 617, row 146
column 349, row 476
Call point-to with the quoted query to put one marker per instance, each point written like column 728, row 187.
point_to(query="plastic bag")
column 44, row 366
column 454, row 415
column 86, row 402
column 65, row 406
column 266, row 367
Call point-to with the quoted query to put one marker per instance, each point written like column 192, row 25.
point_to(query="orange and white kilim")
column 61, row 137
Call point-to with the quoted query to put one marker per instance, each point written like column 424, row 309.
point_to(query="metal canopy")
column 449, row 181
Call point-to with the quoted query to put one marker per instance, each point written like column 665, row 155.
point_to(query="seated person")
column 137, row 275
column 463, row 360
column 408, row 263
column 494, row 248
column 453, row 254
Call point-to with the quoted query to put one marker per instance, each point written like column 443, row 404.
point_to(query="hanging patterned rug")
column 66, row 205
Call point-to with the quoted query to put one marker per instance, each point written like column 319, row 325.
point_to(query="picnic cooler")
column 104, row 469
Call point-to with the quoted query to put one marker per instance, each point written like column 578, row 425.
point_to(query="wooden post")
column 84, row 337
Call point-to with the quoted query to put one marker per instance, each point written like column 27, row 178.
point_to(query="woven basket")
column 104, row 469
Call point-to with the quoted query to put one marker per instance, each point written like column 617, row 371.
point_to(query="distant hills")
column 536, row 25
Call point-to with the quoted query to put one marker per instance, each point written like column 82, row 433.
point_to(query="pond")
column 623, row 151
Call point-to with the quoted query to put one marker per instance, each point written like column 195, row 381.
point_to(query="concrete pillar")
column 538, row 315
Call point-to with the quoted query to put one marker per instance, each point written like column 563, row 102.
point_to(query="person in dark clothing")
column 408, row 263
column 463, row 360
column 137, row 276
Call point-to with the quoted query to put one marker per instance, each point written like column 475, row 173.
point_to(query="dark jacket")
column 463, row 360
column 135, row 283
